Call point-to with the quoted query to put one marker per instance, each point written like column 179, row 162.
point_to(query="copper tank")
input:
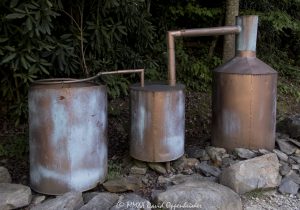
column 157, row 122
column 67, row 135
column 244, row 96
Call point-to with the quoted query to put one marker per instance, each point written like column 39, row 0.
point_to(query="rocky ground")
column 205, row 177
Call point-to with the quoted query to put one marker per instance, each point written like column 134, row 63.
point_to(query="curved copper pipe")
column 192, row 33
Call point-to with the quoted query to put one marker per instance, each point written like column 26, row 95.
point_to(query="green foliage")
column 114, row 169
column 16, row 147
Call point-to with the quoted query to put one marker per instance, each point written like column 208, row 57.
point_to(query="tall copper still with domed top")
column 244, row 96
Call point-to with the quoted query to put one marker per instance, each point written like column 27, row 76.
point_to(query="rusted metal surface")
column 244, row 110
column 157, row 122
column 244, row 96
column 67, row 134
column 191, row 33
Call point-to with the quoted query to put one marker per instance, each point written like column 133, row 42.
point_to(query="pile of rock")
column 205, row 178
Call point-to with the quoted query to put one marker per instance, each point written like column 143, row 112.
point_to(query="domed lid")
column 245, row 65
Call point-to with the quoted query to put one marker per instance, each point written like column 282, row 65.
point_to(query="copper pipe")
column 69, row 80
column 192, row 33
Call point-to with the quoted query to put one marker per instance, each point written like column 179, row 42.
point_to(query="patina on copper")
column 244, row 96
column 157, row 122
column 67, row 133
column 67, row 136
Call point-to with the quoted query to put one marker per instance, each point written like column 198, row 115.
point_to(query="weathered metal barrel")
column 157, row 122
column 67, row 136
column 244, row 96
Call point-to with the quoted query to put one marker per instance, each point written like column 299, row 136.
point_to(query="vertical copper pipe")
column 192, row 33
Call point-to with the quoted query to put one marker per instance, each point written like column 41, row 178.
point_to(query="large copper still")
column 244, row 89
column 244, row 96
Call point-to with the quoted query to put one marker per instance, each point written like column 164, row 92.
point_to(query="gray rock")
column 4, row 175
column 102, row 201
column 89, row 196
column 158, row 167
column 282, row 156
column 264, row 151
column 197, row 152
column 296, row 159
column 295, row 166
column 37, row 199
column 199, row 195
column 132, row 201
column 284, row 169
column 256, row 173
column 292, row 175
column 285, row 146
column 67, row 201
column 208, row 170
column 123, row 184
column 228, row 161
column 14, row 196
column 138, row 170
column 185, row 164
column 180, row 178
column 297, row 153
column 288, row 186
column 294, row 141
column 216, row 155
column 244, row 153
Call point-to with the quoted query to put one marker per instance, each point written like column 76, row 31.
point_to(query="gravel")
column 270, row 200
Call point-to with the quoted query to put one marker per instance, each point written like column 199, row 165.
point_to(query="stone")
column 138, row 170
column 190, row 163
column 68, row 201
column 199, row 195
column 228, row 161
column 101, row 201
column 295, row 142
column 89, row 196
column 256, row 173
column 132, row 201
column 264, row 151
column 158, row 167
column 297, row 159
column 123, row 184
column 282, row 156
column 284, row 169
column 185, row 164
column 244, row 153
column 208, row 170
column 297, row 153
column 4, row 175
column 197, row 152
column 285, row 146
column 288, row 186
column 295, row 166
column 216, row 154
column 292, row 175
column 37, row 199
column 14, row 196
column 139, row 163
column 180, row 178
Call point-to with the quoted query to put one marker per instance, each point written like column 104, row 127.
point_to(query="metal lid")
column 245, row 65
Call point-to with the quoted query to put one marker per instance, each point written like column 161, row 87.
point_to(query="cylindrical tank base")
column 157, row 122
column 244, row 110
column 67, row 137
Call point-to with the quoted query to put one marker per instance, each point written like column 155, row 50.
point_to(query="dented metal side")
column 67, row 134
column 157, row 122
column 244, row 110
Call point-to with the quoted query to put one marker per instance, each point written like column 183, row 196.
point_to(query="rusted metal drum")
column 67, row 136
column 244, row 96
column 157, row 122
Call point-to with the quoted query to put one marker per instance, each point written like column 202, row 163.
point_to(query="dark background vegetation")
column 51, row 38
column 56, row 38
